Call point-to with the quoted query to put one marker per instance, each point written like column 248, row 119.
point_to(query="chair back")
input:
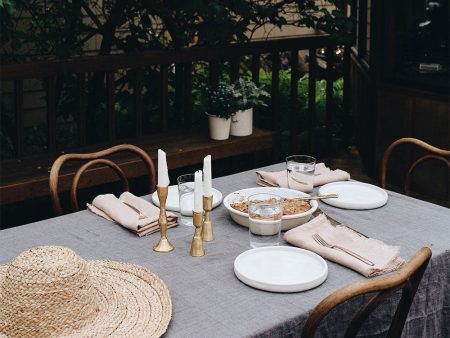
column 435, row 154
column 92, row 160
column 406, row 279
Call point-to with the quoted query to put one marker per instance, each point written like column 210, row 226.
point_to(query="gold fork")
column 320, row 240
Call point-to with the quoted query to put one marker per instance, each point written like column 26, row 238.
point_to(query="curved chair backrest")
column 436, row 154
column 406, row 279
column 95, row 159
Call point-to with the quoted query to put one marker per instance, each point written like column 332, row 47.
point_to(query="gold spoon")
column 318, row 197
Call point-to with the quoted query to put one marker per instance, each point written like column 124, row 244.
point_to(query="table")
column 209, row 301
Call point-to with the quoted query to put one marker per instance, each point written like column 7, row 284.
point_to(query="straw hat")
column 51, row 291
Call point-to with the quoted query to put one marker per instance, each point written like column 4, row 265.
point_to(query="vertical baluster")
column 179, row 109
column 348, row 130
column 256, row 62
column 138, row 100
column 82, row 108
column 51, row 113
column 110, row 87
column 213, row 73
column 18, row 100
column 312, row 99
column 164, row 97
column 275, row 99
column 234, row 69
column 294, row 95
column 187, row 97
column 275, row 90
column 329, row 95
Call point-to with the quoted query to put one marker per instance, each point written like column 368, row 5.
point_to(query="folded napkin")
column 385, row 257
column 322, row 175
column 114, row 209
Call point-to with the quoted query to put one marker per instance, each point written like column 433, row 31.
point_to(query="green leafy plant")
column 249, row 94
column 222, row 101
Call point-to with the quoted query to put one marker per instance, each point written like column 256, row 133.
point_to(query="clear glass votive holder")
column 300, row 172
column 186, row 198
column 264, row 214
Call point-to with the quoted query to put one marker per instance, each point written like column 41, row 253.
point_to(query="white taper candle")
column 163, row 173
column 207, row 179
column 198, row 191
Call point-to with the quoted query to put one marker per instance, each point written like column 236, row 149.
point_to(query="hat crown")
column 50, row 287
column 45, row 265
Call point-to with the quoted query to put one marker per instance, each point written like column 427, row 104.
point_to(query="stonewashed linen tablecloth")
column 209, row 301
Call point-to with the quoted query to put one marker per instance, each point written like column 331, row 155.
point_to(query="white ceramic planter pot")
column 219, row 127
column 242, row 123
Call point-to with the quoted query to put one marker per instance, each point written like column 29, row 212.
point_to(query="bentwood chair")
column 434, row 154
column 95, row 159
column 406, row 279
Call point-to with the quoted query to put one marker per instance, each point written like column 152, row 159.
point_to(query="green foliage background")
column 33, row 30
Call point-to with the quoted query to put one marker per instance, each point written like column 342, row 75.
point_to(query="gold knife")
column 336, row 223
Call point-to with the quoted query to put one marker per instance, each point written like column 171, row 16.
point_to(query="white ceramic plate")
column 173, row 200
column 354, row 195
column 280, row 269
column 287, row 222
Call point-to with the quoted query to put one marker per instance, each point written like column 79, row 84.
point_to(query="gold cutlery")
column 141, row 215
column 320, row 240
column 335, row 223
column 317, row 197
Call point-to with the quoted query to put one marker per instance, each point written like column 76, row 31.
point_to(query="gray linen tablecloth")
column 209, row 301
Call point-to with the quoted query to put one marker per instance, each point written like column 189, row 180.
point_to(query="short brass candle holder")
column 163, row 245
column 207, row 229
column 197, row 243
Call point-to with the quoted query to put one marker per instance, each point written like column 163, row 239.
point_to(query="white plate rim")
column 313, row 203
column 216, row 203
column 282, row 288
column 354, row 205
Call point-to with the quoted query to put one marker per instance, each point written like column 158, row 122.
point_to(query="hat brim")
column 133, row 302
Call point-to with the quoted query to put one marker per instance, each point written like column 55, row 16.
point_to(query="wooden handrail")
column 104, row 63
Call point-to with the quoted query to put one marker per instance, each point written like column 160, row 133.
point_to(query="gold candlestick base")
column 207, row 229
column 163, row 245
column 197, row 243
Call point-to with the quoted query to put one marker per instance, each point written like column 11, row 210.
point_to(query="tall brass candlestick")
column 207, row 229
column 197, row 243
column 163, row 245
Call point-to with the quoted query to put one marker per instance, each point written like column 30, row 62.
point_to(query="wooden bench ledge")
column 26, row 178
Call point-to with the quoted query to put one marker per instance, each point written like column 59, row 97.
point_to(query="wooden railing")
column 183, row 61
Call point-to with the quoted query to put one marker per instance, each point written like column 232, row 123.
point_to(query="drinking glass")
column 264, row 215
column 186, row 198
column 300, row 172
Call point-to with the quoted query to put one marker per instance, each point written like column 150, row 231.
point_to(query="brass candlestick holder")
column 197, row 243
column 207, row 229
column 163, row 245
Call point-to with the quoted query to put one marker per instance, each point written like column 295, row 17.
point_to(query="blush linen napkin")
column 114, row 209
column 322, row 175
column 385, row 257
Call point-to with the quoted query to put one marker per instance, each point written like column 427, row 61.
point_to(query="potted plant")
column 249, row 96
column 221, row 106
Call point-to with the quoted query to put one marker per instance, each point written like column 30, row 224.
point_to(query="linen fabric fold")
column 385, row 257
column 322, row 175
column 116, row 210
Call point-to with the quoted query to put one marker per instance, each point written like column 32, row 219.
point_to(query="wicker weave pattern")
column 50, row 291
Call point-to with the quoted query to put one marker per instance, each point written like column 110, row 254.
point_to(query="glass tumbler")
column 300, row 172
column 264, row 214
column 186, row 198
